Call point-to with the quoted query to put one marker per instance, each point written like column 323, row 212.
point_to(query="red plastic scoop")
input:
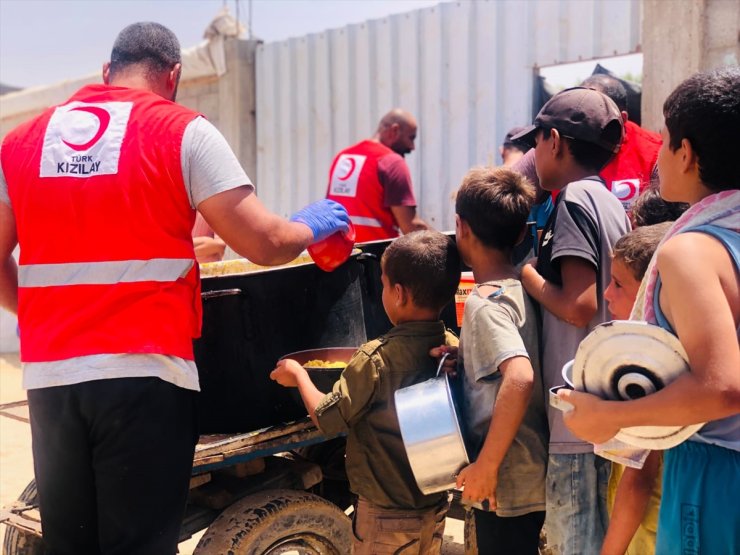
column 333, row 251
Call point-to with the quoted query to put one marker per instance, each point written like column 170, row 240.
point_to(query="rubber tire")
column 20, row 543
column 254, row 524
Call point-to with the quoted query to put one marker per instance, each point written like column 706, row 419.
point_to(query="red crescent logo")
column 352, row 166
column 103, row 119
column 625, row 188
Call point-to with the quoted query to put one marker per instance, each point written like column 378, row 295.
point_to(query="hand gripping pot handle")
column 441, row 363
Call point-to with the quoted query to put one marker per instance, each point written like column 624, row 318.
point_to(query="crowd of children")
column 531, row 463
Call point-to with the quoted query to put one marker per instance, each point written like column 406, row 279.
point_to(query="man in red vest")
column 628, row 173
column 372, row 181
column 101, row 194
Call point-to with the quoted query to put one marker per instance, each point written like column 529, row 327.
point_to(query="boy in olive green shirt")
column 421, row 272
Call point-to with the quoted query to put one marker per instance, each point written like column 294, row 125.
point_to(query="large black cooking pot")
column 251, row 320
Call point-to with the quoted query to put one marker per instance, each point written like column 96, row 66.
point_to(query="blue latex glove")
column 324, row 217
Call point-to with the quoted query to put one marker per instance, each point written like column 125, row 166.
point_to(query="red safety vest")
column 353, row 182
column 106, row 261
column 628, row 173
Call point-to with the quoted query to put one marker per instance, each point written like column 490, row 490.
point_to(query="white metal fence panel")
column 464, row 69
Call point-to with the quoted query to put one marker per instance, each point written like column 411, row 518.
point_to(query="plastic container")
column 332, row 252
column 467, row 283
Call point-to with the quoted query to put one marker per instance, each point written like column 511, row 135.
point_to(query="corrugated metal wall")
column 464, row 69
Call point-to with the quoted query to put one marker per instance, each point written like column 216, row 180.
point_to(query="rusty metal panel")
column 464, row 69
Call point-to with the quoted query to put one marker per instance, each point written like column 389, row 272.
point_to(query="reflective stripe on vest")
column 369, row 222
column 103, row 273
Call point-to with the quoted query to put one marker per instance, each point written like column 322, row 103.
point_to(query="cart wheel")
column 20, row 543
column 274, row 522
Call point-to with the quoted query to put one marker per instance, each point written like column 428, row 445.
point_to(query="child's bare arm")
column 290, row 373
column 481, row 477
column 700, row 298
column 575, row 302
column 630, row 505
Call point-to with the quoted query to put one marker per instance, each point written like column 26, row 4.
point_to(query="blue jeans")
column 577, row 515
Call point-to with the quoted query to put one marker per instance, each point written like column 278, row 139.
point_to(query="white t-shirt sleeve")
column 209, row 166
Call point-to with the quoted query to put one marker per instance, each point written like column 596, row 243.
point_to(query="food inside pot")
column 242, row 266
column 324, row 364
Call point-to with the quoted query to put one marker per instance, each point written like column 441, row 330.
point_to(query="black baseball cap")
column 521, row 145
column 579, row 113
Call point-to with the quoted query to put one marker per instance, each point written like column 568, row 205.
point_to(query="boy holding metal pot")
column 499, row 361
column 421, row 272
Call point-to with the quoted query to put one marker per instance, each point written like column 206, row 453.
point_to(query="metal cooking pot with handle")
column 431, row 432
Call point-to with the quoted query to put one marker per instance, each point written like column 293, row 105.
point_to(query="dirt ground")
column 16, row 463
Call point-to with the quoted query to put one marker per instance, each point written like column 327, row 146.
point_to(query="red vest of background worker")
column 628, row 173
column 372, row 181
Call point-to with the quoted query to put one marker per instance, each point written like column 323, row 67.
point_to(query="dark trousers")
column 112, row 460
column 513, row 535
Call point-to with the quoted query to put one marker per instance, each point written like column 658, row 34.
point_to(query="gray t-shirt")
column 208, row 167
column 495, row 329
column 585, row 224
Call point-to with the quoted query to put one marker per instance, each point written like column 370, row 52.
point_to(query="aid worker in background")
column 101, row 194
column 372, row 181
column 628, row 173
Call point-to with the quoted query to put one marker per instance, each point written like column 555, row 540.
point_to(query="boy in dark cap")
column 576, row 133
column 511, row 151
